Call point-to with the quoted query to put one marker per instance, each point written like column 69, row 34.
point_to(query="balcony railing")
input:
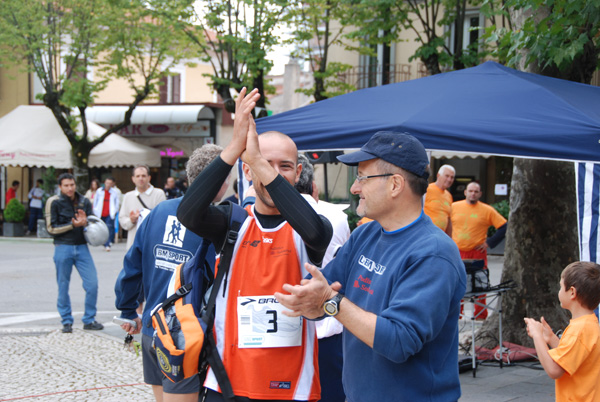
column 374, row 75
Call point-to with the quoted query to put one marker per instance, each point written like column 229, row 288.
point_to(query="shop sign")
column 198, row 129
column 169, row 153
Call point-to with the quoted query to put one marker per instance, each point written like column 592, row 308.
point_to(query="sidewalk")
column 43, row 364
column 522, row 382
column 92, row 366
column 82, row 366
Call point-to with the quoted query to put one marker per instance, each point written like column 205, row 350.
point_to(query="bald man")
column 267, row 355
column 471, row 219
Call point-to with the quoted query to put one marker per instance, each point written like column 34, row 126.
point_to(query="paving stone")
column 70, row 367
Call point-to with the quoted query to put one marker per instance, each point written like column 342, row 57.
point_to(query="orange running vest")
column 263, row 260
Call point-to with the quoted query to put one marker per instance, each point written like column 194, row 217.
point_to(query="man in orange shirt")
column 471, row 219
column 438, row 200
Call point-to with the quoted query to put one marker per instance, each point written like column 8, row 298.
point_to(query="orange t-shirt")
column 471, row 222
column 363, row 220
column 438, row 205
column 578, row 353
column 248, row 327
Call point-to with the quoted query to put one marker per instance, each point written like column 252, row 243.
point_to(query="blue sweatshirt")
column 161, row 244
column 413, row 279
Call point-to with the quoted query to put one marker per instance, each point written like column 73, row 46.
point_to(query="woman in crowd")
column 92, row 190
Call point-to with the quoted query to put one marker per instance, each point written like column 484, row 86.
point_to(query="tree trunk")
column 319, row 89
column 432, row 63
column 260, row 85
column 80, row 158
column 459, row 24
column 541, row 240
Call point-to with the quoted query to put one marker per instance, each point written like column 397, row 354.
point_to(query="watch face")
column 330, row 308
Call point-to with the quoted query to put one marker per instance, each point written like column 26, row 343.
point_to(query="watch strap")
column 336, row 301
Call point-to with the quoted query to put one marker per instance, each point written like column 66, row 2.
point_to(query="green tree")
column 75, row 48
column 558, row 39
column 235, row 36
column 318, row 25
column 427, row 20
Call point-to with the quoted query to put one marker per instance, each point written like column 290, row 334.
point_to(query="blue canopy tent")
column 488, row 109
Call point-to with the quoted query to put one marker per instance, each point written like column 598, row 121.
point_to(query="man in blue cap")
column 396, row 285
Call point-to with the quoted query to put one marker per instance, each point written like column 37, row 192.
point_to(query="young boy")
column 574, row 360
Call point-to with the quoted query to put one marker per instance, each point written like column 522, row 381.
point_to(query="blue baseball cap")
column 399, row 149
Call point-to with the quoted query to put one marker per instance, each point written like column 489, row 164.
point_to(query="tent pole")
column 326, row 185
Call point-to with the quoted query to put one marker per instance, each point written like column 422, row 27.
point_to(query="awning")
column 432, row 153
column 31, row 136
column 455, row 154
column 159, row 114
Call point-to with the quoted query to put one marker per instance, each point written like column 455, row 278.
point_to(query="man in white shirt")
column 35, row 206
column 138, row 203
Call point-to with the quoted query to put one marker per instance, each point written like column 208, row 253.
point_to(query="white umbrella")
column 118, row 152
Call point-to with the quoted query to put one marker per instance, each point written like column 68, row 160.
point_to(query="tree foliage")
column 235, row 36
column 385, row 20
column 75, row 48
column 318, row 25
column 560, row 37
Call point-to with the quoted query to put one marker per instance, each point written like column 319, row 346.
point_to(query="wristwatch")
column 332, row 306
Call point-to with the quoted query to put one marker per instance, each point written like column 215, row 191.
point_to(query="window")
column 36, row 86
column 469, row 36
column 170, row 89
column 378, row 69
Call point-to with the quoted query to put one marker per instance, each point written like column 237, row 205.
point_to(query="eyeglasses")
column 360, row 179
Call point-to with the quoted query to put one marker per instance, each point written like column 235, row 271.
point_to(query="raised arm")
column 315, row 230
column 276, row 169
column 195, row 211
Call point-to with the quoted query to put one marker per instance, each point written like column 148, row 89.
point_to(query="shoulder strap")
column 142, row 202
column 236, row 216
column 198, row 262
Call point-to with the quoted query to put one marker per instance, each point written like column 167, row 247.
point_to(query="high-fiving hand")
column 252, row 152
column 244, row 105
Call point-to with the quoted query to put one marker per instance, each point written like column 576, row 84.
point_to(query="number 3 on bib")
column 261, row 324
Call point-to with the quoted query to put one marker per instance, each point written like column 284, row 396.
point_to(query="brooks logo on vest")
column 253, row 243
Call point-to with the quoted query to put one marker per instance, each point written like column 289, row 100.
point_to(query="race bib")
column 262, row 324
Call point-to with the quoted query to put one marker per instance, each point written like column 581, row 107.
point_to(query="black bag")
column 478, row 276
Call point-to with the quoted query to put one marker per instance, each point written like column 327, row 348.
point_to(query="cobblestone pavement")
column 82, row 366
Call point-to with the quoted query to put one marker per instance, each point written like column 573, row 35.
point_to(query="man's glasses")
column 360, row 179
